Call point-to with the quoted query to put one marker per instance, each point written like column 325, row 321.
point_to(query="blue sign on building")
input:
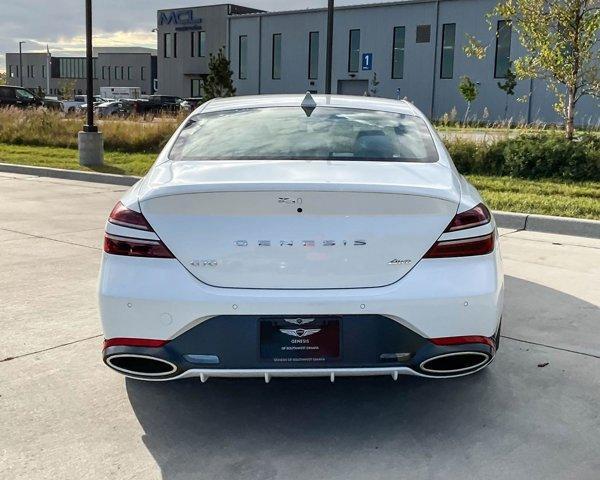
column 367, row 61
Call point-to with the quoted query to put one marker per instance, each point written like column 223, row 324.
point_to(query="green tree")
column 508, row 86
column 219, row 82
column 468, row 90
column 67, row 89
column 2, row 78
column 561, row 39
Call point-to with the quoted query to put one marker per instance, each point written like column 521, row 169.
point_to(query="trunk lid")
column 299, row 225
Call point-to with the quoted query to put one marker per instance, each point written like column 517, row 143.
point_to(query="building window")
column 502, row 62
column 398, row 53
column 199, row 44
column 243, row 57
column 354, row 51
column 11, row 71
column 423, row 33
column 143, row 73
column 129, row 73
column 43, row 71
column 174, row 45
column 103, row 72
column 313, row 55
column 167, row 45
column 276, row 60
column 448, row 42
column 196, row 87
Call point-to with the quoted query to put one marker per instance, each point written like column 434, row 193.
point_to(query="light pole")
column 329, row 59
column 21, row 62
column 91, row 145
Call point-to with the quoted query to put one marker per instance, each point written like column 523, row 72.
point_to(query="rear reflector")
column 445, row 341
column 135, row 247
column 464, row 247
column 123, row 216
column 477, row 216
column 134, row 342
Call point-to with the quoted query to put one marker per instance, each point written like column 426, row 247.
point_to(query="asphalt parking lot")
column 534, row 414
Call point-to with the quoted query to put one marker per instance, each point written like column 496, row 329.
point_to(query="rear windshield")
column 288, row 133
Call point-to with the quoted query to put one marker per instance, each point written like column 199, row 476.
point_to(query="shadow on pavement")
column 360, row 428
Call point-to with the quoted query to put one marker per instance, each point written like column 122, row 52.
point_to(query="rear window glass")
column 288, row 133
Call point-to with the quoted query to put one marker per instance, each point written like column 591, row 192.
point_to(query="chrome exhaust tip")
column 141, row 365
column 455, row 363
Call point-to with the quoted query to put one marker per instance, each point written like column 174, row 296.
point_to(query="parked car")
column 110, row 108
column 20, row 97
column 75, row 105
column 97, row 101
column 160, row 103
column 190, row 104
column 301, row 236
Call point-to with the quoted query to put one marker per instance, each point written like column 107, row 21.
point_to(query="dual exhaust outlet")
column 446, row 365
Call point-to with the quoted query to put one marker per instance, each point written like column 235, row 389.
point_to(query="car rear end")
column 244, row 267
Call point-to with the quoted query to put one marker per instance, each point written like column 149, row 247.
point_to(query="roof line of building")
column 341, row 7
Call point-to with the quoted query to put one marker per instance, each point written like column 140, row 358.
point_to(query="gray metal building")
column 413, row 47
column 117, row 67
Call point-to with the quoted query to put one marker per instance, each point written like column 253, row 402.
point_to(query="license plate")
column 300, row 339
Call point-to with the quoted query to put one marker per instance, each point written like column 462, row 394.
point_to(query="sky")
column 61, row 23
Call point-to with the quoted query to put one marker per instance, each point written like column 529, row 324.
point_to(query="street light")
column 91, row 145
column 329, row 59
column 21, row 62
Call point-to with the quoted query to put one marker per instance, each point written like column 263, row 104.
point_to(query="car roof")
column 339, row 101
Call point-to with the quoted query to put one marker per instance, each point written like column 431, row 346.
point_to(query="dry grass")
column 41, row 127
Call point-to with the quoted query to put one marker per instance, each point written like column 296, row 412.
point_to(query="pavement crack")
column 551, row 346
column 42, row 237
column 7, row 359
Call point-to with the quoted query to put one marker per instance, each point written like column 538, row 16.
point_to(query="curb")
column 516, row 221
column 109, row 178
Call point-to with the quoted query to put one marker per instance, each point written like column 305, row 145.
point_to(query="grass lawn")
column 547, row 197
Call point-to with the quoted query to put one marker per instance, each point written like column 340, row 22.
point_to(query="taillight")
column 463, row 247
column 475, row 217
column 125, row 217
column 133, row 247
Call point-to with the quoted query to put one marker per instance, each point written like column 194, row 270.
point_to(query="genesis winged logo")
column 300, row 332
column 299, row 321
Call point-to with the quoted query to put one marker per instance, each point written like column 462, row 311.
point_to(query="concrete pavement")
column 64, row 415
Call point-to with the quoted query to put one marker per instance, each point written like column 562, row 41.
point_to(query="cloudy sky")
column 60, row 23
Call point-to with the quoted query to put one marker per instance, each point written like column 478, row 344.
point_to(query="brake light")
column 134, row 342
column 135, row 247
column 475, row 217
column 125, row 217
column 463, row 247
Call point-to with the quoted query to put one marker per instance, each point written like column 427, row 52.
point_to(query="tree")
column 219, row 82
column 2, row 78
column 468, row 90
column 67, row 88
column 508, row 86
column 561, row 39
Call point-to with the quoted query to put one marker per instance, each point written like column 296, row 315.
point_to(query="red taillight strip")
column 445, row 341
column 463, row 247
column 134, row 342
column 135, row 247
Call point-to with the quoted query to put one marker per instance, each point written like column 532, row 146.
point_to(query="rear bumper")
column 229, row 346
column 159, row 299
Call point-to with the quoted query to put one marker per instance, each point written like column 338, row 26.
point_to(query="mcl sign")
column 178, row 17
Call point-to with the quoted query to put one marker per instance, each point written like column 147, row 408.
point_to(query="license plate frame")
column 300, row 340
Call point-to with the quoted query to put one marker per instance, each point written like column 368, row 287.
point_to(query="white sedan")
column 291, row 235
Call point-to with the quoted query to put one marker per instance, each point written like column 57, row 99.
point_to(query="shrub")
column 530, row 156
